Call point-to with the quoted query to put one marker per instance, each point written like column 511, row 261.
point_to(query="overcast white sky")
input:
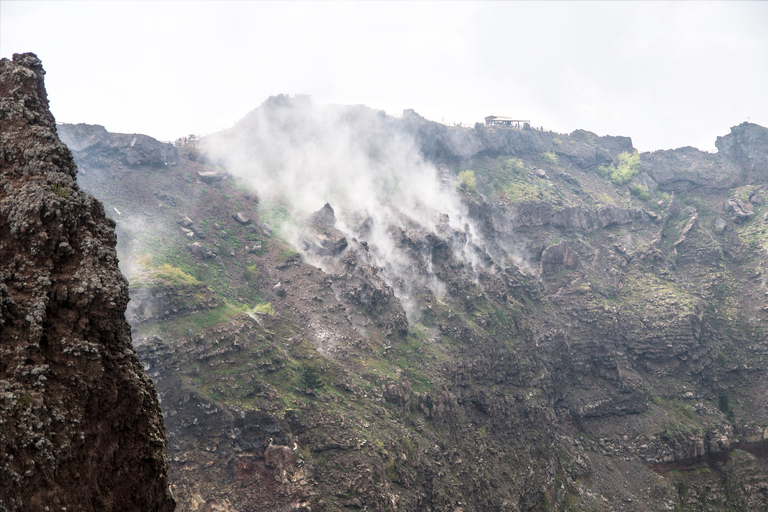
column 665, row 74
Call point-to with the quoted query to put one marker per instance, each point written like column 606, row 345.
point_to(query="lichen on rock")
column 80, row 424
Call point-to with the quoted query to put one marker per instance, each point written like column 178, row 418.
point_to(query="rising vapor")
column 365, row 166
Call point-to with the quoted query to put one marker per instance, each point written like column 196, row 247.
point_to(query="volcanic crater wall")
column 80, row 424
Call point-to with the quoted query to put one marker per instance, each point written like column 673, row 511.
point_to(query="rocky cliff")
column 580, row 328
column 80, row 424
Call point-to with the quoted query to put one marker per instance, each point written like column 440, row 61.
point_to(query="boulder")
column 325, row 243
column 210, row 176
column 740, row 211
column 241, row 218
column 720, row 224
column 201, row 252
column 325, row 216
column 185, row 222
column 558, row 257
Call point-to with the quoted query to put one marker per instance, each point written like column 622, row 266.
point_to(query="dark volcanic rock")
column 684, row 168
column 80, row 424
column 540, row 213
column 558, row 257
column 747, row 146
column 324, row 216
column 241, row 218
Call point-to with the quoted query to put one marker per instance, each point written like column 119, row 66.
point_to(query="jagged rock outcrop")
column 747, row 146
column 324, row 216
column 740, row 160
column 99, row 148
column 80, row 424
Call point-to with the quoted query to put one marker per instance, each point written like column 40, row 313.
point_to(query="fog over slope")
column 362, row 163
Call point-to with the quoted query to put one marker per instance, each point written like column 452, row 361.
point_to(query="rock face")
column 746, row 145
column 324, row 216
column 80, row 424
column 161, row 302
column 100, row 148
column 569, row 345
column 558, row 257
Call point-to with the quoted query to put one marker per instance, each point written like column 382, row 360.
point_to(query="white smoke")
column 358, row 160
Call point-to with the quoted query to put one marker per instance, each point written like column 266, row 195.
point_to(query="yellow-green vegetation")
column 549, row 157
column 508, row 180
column 466, row 181
column 251, row 273
column 407, row 444
column 265, row 308
column 640, row 191
column 60, row 190
column 173, row 275
column 497, row 173
column 517, row 192
column 390, row 470
column 628, row 167
column 181, row 326
column 164, row 274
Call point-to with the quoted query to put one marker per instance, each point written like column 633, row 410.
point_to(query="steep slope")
column 576, row 327
column 80, row 424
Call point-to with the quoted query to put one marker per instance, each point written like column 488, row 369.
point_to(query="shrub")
column 390, row 470
column 251, row 273
column 549, row 157
column 408, row 445
column 265, row 308
column 629, row 167
column 466, row 181
column 640, row 191
column 723, row 402
column 514, row 165
column 311, row 378
column 60, row 190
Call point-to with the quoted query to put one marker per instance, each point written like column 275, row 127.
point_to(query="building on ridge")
column 507, row 122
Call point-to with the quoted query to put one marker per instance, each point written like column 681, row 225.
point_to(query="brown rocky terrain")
column 80, row 424
column 590, row 336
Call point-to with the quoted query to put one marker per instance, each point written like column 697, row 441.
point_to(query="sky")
column 667, row 74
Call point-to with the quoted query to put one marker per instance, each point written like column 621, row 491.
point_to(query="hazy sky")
column 666, row 74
